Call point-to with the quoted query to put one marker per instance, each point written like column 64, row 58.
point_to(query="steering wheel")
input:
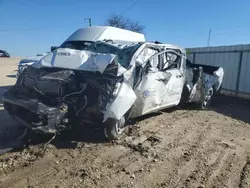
column 170, row 65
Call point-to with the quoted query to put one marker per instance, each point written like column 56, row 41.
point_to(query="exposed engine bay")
column 49, row 98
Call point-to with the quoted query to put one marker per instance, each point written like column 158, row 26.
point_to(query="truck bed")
column 206, row 68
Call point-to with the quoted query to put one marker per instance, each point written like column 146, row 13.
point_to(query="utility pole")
column 209, row 37
column 89, row 20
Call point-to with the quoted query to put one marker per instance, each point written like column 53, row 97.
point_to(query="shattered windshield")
column 124, row 54
column 76, row 45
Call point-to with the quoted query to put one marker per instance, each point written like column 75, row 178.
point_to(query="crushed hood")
column 76, row 60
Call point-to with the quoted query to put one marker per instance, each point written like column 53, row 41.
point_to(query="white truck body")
column 97, row 33
column 107, row 82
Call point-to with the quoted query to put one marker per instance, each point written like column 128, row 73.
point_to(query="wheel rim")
column 119, row 126
column 208, row 97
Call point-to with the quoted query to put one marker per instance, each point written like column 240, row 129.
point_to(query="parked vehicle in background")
column 24, row 63
column 107, row 82
column 4, row 54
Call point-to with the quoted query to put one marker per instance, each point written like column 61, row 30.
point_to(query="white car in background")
column 24, row 63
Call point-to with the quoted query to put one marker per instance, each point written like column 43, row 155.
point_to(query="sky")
column 31, row 26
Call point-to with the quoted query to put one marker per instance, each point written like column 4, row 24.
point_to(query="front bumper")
column 34, row 114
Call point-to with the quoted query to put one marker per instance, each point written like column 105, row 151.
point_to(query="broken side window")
column 145, row 54
column 76, row 45
column 171, row 60
column 143, row 63
column 153, row 60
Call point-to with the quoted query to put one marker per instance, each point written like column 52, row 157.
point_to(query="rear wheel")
column 114, row 128
column 207, row 99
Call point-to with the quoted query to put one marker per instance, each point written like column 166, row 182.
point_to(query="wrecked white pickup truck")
column 107, row 82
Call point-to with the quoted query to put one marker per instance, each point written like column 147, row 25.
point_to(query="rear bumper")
column 36, row 115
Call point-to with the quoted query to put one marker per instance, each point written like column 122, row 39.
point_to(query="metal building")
column 236, row 63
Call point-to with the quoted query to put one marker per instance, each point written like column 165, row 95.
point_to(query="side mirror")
column 52, row 48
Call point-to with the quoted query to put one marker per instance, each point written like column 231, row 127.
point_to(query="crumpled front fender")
column 123, row 102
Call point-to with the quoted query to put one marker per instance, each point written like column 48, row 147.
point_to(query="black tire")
column 184, row 96
column 113, row 128
column 206, row 102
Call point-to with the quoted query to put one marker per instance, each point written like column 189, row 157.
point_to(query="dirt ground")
column 178, row 147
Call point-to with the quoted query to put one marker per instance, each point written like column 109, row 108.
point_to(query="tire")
column 206, row 102
column 184, row 96
column 113, row 128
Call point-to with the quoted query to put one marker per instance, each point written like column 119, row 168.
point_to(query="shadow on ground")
column 12, row 135
column 11, row 132
column 68, row 138
column 232, row 107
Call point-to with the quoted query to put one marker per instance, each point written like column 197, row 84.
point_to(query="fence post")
column 194, row 58
column 238, row 74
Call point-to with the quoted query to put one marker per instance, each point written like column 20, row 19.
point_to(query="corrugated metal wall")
column 236, row 63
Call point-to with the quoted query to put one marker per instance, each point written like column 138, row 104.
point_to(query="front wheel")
column 114, row 128
column 207, row 99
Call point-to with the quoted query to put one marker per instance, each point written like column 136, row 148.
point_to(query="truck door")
column 173, row 64
column 160, row 84
column 150, row 87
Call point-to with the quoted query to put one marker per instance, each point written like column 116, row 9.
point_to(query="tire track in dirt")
column 186, row 163
column 245, row 175
column 219, row 171
column 169, row 149
column 226, row 163
column 189, row 163
column 133, row 165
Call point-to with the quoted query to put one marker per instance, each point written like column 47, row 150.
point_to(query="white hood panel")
column 76, row 59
